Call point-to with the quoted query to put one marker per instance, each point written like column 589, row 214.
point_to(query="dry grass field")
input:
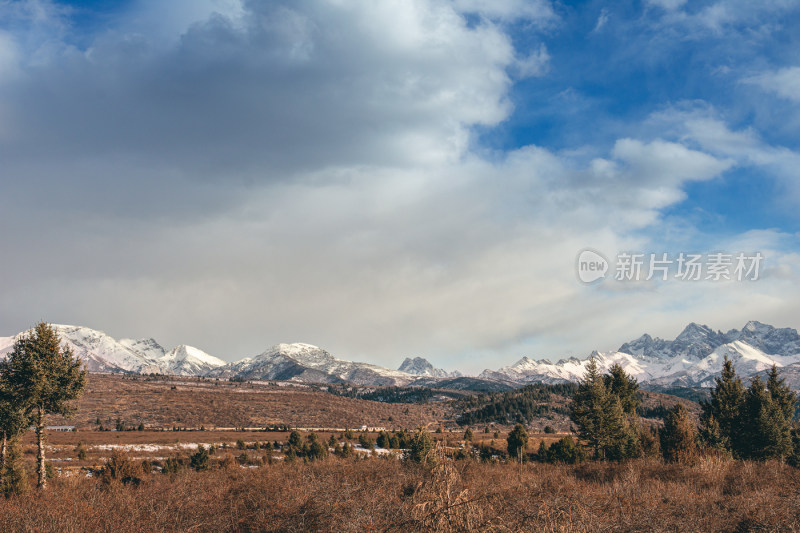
column 164, row 403
column 388, row 495
column 249, row 489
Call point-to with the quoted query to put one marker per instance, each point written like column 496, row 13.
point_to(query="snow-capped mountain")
column 147, row 348
column 694, row 358
column 420, row 366
column 102, row 353
column 307, row 363
column 188, row 361
column 526, row 370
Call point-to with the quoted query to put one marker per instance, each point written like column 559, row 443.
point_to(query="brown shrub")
column 119, row 468
column 388, row 495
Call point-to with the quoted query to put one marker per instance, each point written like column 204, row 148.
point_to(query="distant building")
column 372, row 429
column 60, row 428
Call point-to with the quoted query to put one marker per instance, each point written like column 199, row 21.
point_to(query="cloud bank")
column 233, row 175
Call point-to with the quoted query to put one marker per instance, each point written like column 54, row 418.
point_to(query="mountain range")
column 693, row 359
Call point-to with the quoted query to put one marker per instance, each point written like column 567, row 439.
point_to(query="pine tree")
column 616, row 439
column 565, row 450
column 517, row 442
column 45, row 377
column 599, row 415
column 766, row 433
column 679, row 437
column 13, row 419
column 541, row 454
column 13, row 477
column 711, row 438
column 723, row 409
column 625, row 387
column 420, row 449
column 781, row 394
column 295, row 440
column 199, row 460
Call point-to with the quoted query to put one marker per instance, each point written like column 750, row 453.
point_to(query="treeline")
column 746, row 423
column 751, row 423
column 519, row 406
column 384, row 394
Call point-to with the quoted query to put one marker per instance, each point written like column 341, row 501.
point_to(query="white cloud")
column 669, row 5
column 784, row 82
column 303, row 172
column 749, row 20
column 602, row 20
column 539, row 11
column 668, row 163
column 534, row 64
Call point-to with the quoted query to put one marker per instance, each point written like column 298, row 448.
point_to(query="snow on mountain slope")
column 747, row 360
column 768, row 339
column 147, row 348
column 186, row 360
column 420, row 366
column 6, row 345
column 307, row 363
column 693, row 343
column 527, row 370
column 102, row 353
column 694, row 358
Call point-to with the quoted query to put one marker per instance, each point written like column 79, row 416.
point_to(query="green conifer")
column 44, row 377
column 679, row 437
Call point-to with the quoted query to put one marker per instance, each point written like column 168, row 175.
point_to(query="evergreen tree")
column 623, row 386
column 541, row 453
column 679, row 437
column 13, row 419
column 710, row 436
column 420, row 448
column 295, row 440
column 517, row 442
column 316, row 450
column 766, row 433
column 45, row 377
column 347, row 450
column 13, row 477
column 721, row 413
column 794, row 457
column 781, row 394
column 199, row 460
column 599, row 415
column 565, row 450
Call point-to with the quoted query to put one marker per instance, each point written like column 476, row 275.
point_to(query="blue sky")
column 398, row 178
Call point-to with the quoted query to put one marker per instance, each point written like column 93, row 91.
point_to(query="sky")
column 399, row 178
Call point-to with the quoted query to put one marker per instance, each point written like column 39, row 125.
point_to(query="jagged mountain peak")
column 694, row 332
column 184, row 352
column 419, row 366
column 186, row 360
